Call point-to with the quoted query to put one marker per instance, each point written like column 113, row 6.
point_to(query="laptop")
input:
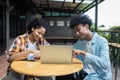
column 56, row 54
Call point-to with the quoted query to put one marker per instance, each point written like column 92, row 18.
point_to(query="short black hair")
column 80, row 19
column 36, row 23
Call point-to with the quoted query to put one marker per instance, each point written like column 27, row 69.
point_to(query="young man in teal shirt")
column 91, row 49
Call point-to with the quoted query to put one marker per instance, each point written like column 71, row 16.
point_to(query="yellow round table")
column 35, row 68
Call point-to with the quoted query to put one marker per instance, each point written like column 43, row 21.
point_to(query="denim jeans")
column 15, row 76
column 82, row 74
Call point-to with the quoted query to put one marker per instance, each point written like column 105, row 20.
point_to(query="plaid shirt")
column 21, row 43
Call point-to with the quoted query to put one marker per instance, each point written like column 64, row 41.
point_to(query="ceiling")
column 71, row 6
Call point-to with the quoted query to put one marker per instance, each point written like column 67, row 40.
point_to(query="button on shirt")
column 96, row 61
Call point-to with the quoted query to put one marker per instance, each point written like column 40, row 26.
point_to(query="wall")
column 59, row 27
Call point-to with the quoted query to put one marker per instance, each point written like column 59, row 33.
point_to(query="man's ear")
column 87, row 26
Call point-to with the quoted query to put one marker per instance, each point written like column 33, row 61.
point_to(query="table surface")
column 35, row 68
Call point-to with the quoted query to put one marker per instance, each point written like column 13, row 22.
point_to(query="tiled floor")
column 3, row 66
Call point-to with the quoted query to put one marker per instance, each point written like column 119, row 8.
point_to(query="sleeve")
column 102, row 60
column 79, row 45
column 15, row 47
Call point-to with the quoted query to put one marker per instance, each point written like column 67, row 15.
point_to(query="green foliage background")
column 112, row 35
